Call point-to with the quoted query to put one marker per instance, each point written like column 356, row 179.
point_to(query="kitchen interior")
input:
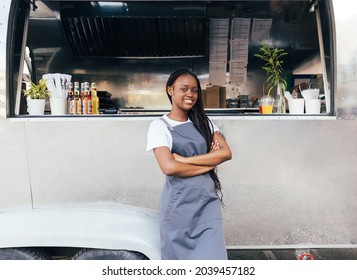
column 129, row 49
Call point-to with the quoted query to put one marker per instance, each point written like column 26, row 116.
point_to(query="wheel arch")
column 124, row 228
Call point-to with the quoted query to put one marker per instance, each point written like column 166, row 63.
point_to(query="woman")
column 187, row 147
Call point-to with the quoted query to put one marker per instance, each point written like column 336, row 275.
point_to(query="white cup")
column 313, row 106
column 296, row 106
column 58, row 106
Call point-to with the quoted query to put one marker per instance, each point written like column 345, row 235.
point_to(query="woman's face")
column 184, row 92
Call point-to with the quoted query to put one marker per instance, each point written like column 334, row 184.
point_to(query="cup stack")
column 312, row 101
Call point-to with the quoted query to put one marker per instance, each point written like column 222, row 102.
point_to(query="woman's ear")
column 170, row 90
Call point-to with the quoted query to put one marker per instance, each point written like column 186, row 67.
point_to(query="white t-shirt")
column 159, row 135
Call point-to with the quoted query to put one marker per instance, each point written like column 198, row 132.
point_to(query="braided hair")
column 199, row 118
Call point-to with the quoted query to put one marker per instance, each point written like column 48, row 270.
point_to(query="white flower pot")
column 36, row 106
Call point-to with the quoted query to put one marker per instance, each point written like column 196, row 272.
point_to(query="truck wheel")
column 22, row 254
column 101, row 254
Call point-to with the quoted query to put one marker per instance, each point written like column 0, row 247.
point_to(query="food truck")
column 81, row 184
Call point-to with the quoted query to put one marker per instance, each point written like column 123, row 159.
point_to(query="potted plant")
column 35, row 97
column 272, row 57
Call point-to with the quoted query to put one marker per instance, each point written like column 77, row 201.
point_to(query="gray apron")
column 191, row 225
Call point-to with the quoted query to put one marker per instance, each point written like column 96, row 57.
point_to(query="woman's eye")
column 194, row 90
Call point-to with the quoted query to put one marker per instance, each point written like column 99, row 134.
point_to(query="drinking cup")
column 266, row 105
column 313, row 106
column 296, row 106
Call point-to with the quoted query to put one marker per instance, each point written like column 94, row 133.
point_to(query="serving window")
column 128, row 49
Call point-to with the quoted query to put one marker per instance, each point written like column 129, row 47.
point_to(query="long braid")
column 199, row 118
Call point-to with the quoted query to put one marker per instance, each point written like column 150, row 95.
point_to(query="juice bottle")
column 77, row 99
column 82, row 97
column 87, row 100
column 71, row 105
column 95, row 99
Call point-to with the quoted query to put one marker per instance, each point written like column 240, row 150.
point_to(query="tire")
column 101, row 254
column 23, row 254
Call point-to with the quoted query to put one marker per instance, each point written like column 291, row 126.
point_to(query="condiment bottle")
column 71, row 105
column 95, row 99
column 87, row 100
column 77, row 99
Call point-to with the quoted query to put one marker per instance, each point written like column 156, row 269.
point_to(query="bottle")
column 95, row 99
column 71, row 105
column 82, row 97
column 77, row 99
column 87, row 100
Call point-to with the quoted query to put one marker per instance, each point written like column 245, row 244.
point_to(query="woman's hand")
column 179, row 158
column 214, row 146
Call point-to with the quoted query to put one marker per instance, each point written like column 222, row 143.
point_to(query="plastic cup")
column 58, row 106
column 266, row 105
column 296, row 106
column 313, row 106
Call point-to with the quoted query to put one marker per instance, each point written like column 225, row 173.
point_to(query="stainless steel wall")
column 290, row 182
column 346, row 51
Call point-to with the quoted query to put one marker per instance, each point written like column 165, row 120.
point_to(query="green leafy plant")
column 273, row 65
column 37, row 91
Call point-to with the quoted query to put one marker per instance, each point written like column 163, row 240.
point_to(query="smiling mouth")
column 189, row 101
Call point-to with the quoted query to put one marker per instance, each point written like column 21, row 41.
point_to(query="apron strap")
column 167, row 124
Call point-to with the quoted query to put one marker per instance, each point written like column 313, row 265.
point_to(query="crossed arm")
column 177, row 165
